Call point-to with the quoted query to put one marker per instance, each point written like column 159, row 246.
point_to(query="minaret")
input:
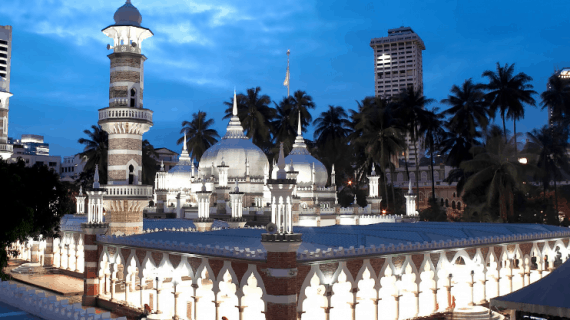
column 333, row 176
column 236, row 198
column 80, row 202
column 281, row 245
column 374, row 200
column 203, row 223
column 411, row 201
column 125, row 120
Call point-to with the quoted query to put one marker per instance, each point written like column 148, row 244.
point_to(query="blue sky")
column 203, row 48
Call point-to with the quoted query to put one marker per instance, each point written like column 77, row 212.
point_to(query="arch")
column 221, row 274
column 148, row 267
column 446, row 202
column 342, row 268
column 314, row 300
column 458, row 205
column 228, row 290
column 342, row 296
column 246, row 289
column 424, row 176
column 436, row 175
column 388, row 177
column 253, row 297
column 400, row 177
column 133, row 97
column 453, row 204
column 135, row 172
column 315, row 271
column 413, row 176
column 204, row 266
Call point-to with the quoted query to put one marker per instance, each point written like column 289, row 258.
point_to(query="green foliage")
column 33, row 202
column 434, row 212
column 199, row 135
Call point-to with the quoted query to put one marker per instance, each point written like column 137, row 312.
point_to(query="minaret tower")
column 125, row 120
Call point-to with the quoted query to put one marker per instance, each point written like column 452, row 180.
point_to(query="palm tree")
column 432, row 126
column 548, row 146
column 507, row 94
column 95, row 151
column 199, row 135
column 283, row 124
column 495, row 171
column 557, row 97
column 303, row 102
column 467, row 109
column 410, row 106
column 331, row 132
column 149, row 157
column 378, row 134
column 255, row 116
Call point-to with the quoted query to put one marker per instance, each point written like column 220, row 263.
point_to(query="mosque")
column 313, row 261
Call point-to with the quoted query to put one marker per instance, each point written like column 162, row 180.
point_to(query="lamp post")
column 471, row 284
column 176, row 294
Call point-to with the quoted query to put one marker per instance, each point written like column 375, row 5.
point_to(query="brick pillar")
column 91, row 256
column 281, row 285
column 48, row 253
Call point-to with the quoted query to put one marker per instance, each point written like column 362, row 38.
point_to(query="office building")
column 5, row 55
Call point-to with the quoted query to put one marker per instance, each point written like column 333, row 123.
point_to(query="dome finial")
column 128, row 1
column 184, row 148
column 299, row 128
column 234, row 111
column 96, row 184
column 281, row 174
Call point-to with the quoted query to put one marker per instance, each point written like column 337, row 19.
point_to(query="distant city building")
column 72, row 167
column 562, row 73
column 166, row 156
column 31, row 144
column 397, row 66
column 5, row 57
column 32, row 150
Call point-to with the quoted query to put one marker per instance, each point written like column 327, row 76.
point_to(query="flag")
column 286, row 82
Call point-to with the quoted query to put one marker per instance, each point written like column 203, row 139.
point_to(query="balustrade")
column 132, row 113
column 128, row 190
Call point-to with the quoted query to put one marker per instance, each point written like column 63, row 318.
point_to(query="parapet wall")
column 28, row 300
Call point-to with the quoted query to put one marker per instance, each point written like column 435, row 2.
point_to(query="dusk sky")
column 202, row 49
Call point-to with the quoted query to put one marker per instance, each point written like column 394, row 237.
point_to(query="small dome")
column 234, row 153
column 128, row 15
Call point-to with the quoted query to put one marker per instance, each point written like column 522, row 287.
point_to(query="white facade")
column 6, row 149
column 72, row 167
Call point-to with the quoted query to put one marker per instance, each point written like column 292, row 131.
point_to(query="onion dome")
column 237, row 152
column 307, row 165
column 128, row 15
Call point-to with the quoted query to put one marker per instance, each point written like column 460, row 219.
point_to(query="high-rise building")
column 397, row 62
column 397, row 66
column 6, row 149
column 562, row 73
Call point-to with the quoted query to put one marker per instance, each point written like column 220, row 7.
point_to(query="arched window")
column 400, row 177
column 131, row 174
column 436, row 175
column 424, row 176
column 441, row 202
column 458, row 205
column 454, row 194
column 453, row 204
column 388, row 177
column 412, row 177
column 446, row 203
column 133, row 97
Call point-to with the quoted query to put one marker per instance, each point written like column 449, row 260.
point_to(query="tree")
column 548, row 146
column 95, row 151
column 432, row 126
column 255, row 116
column 410, row 106
column 557, row 97
column 199, row 134
column 496, row 174
column 29, row 216
column 467, row 110
column 149, row 163
column 507, row 94
column 302, row 102
column 283, row 124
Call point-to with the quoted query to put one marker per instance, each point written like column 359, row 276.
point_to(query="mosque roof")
column 128, row 15
column 321, row 243
column 236, row 151
column 304, row 162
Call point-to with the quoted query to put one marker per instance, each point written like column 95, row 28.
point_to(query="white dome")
column 303, row 163
column 233, row 149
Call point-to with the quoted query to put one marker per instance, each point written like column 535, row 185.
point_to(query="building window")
column 41, row 163
column 52, row 164
column 131, row 174
column 133, row 97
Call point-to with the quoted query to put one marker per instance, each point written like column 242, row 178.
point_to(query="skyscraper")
column 5, row 57
column 563, row 73
column 397, row 66
column 397, row 61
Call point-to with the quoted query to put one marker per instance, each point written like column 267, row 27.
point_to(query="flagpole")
column 288, row 76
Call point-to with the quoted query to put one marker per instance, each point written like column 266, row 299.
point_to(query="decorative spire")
column 234, row 130
column 234, row 111
column 373, row 170
column 80, row 190
column 184, row 148
column 299, row 128
column 96, row 184
column 236, row 188
column 410, row 188
column 333, row 169
column 161, row 165
column 203, row 185
column 291, row 168
column 128, row 2
column 281, row 174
